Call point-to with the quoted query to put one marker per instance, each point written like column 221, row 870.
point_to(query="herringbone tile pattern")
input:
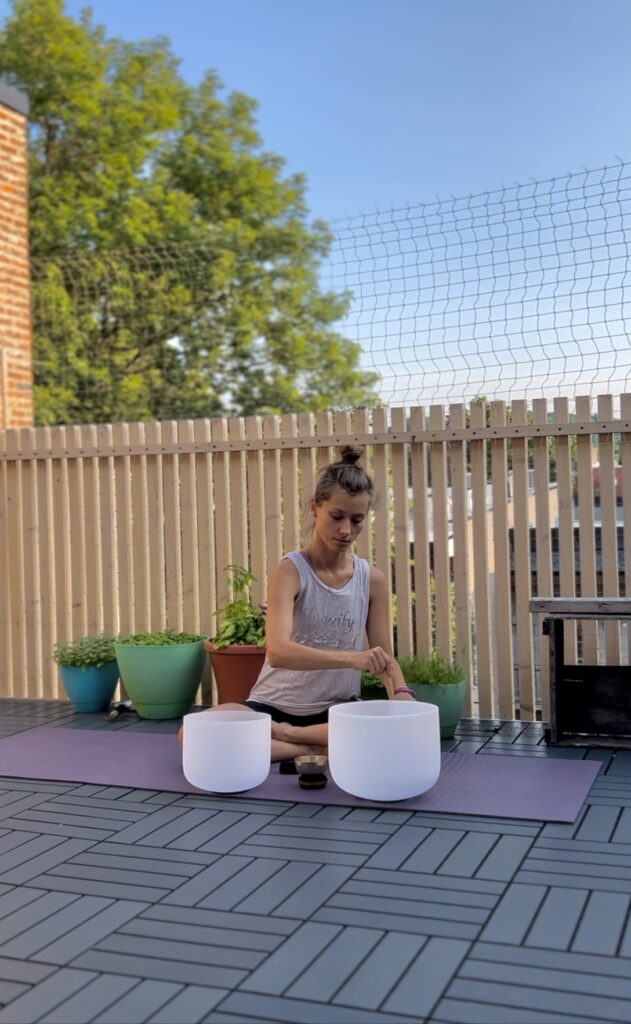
column 122, row 905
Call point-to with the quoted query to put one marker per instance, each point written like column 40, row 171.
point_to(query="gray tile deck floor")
column 126, row 905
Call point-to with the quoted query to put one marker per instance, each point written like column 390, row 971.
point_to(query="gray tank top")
column 327, row 618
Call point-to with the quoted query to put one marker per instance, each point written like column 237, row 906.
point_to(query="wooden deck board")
column 123, row 904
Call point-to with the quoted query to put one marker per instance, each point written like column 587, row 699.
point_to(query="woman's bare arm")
column 283, row 652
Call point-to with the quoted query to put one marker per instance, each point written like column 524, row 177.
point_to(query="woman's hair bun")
column 345, row 474
column 351, row 453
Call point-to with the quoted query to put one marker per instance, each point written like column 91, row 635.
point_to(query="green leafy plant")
column 86, row 652
column 243, row 621
column 161, row 638
column 431, row 669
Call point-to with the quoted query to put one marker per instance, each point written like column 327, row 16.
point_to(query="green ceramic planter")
column 449, row 699
column 161, row 681
column 91, row 688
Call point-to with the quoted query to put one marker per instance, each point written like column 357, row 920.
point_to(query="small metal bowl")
column 311, row 770
column 311, row 764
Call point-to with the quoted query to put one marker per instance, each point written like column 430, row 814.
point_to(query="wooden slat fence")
column 128, row 527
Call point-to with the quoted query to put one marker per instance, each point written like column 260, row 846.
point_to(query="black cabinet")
column 590, row 705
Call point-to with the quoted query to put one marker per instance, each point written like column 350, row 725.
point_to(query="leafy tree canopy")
column 176, row 272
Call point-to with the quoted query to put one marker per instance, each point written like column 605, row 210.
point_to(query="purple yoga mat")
column 536, row 788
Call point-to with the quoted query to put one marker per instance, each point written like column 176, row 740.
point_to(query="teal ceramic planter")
column 90, row 689
column 449, row 699
column 161, row 681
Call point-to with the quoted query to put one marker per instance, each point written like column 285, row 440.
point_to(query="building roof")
column 13, row 98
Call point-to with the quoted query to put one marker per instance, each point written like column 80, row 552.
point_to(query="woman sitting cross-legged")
column 323, row 602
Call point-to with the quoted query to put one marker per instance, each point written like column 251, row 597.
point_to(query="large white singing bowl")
column 383, row 749
column 227, row 751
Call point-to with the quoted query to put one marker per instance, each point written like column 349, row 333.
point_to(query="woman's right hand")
column 375, row 660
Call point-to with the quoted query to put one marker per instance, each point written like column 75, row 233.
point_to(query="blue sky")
column 385, row 102
column 388, row 104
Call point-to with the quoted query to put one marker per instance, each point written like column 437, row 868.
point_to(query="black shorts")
column 284, row 716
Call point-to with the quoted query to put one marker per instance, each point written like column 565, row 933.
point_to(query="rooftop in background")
column 13, row 98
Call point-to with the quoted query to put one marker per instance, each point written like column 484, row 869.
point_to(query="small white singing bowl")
column 227, row 751
column 383, row 749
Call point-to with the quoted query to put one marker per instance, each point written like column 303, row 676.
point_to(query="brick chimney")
column 16, row 362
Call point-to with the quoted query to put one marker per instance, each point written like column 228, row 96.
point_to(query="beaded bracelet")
column 405, row 689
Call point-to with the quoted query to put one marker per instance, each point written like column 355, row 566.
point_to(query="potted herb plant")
column 88, row 670
column 437, row 680
column 237, row 650
column 162, row 671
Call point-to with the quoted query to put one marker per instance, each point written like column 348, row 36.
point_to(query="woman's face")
column 339, row 520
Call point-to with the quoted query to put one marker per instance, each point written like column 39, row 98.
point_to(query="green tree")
column 176, row 272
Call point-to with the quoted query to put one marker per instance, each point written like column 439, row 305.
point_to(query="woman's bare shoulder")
column 377, row 578
column 285, row 576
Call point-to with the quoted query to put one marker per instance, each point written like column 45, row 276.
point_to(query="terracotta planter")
column 236, row 669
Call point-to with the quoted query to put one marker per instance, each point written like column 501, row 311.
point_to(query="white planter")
column 227, row 751
column 384, row 749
